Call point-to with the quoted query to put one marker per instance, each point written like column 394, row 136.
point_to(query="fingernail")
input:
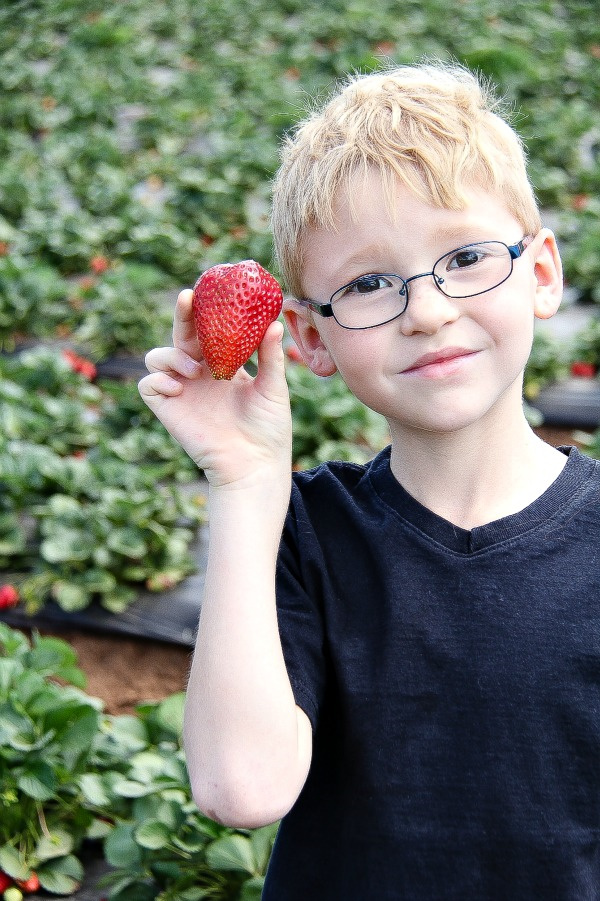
column 190, row 366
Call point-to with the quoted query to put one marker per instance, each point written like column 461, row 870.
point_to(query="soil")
column 126, row 671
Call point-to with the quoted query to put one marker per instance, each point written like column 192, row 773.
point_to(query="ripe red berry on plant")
column 79, row 364
column 30, row 885
column 582, row 369
column 99, row 264
column 9, row 596
column 233, row 305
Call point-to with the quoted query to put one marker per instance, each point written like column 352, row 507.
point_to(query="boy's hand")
column 239, row 431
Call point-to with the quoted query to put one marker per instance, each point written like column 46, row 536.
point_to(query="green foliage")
column 586, row 344
column 148, row 133
column 548, row 362
column 71, row 774
column 91, row 505
column 329, row 422
column 46, row 736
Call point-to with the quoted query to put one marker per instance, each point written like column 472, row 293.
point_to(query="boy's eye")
column 366, row 284
column 468, row 256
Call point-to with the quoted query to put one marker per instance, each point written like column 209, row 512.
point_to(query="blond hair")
column 437, row 128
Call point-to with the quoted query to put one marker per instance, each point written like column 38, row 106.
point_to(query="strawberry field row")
column 138, row 143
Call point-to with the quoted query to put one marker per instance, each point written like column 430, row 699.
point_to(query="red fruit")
column 9, row 596
column 233, row 305
column 99, row 264
column 87, row 370
column 79, row 364
column 29, row 885
column 583, row 369
column 5, row 881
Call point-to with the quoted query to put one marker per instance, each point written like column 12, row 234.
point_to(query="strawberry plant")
column 46, row 736
column 73, row 777
column 547, row 363
column 160, row 845
column 91, row 505
column 329, row 422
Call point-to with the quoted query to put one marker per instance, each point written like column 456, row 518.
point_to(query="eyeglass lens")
column 378, row 298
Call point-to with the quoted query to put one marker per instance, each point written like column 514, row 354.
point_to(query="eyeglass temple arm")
column 517, row 249
column 323, row 309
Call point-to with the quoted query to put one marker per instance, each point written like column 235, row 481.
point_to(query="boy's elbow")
column 239, row 807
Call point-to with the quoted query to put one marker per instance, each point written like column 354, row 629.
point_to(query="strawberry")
column 9, row 596
column 79, row 364
column 30, row 885
column 233, row 305
column 583, row 369
column 99, row 264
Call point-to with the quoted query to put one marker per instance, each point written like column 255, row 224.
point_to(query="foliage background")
column 137, row 144
column 147, row 134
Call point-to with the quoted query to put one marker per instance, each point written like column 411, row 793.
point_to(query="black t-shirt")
column 452, row 679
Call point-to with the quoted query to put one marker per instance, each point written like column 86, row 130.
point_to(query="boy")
column 406, row 666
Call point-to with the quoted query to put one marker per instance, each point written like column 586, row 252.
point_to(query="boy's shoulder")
column 340, row 473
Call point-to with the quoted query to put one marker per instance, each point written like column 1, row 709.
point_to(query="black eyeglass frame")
column 326, row 309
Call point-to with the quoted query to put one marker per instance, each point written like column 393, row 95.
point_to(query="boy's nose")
column 428, row 308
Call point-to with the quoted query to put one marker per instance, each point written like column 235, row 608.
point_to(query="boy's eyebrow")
column 465, row 233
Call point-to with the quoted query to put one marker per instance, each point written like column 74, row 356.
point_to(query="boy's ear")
column 549, row 275
column 308, row 339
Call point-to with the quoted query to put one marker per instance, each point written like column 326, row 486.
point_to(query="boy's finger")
column 172, row 359
column 271, row 368
column 158, row 384
column 184, row 329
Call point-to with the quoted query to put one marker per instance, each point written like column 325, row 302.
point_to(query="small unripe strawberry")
column 233, row 305
column 13, row 894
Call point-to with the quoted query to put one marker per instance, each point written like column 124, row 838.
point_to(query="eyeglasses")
column 380, row 297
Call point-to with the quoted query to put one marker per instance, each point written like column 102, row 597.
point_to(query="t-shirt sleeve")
column 299, row 610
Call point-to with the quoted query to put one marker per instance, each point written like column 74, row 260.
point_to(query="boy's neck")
column 477, row 475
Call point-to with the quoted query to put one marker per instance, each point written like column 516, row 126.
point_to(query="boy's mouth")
column 440, row 361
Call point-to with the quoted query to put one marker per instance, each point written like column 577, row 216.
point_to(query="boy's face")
column 444, row 363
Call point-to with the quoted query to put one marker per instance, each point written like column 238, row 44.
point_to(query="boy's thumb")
column 271, row 366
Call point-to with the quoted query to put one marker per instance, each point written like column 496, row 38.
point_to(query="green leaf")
column 9, row 670
column 153, row 835
column 94, row 790
column 70, row 597
column 127, row 731
column 50, row 655
column 13, row 863
column 170, row 713
column 252, row 889
column 56, row 843
column 262, row 842
column 61, row 876
column 121, row 849
column 231, row 852
column 67, row 545
column 78, row 737
column 128, row 788
column 38, row 781
column 128, row 542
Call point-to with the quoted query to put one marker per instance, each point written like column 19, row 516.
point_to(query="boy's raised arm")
column 248, row 746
